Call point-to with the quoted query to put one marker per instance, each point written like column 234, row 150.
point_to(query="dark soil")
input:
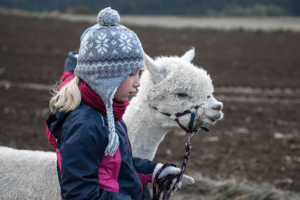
column 34, row 51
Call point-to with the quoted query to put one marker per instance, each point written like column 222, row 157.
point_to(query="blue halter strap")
column 192, row 120
column 191, row 124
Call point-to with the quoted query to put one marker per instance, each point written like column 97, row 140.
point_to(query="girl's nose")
column 136, row 82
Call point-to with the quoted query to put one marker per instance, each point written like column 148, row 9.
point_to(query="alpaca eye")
column 182, row 94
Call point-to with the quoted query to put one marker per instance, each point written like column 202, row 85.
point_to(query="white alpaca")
column 32, row 174
column 26, row 174
column 169, row 85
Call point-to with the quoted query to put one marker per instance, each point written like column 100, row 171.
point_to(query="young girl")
column 93, row 151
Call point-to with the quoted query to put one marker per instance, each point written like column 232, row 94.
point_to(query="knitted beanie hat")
column 108, row 54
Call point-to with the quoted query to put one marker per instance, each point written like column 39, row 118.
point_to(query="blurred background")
column 249, row 47
column 165, row 7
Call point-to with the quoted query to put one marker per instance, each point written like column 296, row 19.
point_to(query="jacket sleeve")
column 82, row 151
column 144, row 169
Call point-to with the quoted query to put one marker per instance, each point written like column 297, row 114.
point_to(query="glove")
column 172, row 171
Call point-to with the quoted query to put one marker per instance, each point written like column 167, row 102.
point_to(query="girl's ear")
column 189, row 55
column 154, row 69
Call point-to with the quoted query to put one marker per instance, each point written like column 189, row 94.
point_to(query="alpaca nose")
column 218, row 106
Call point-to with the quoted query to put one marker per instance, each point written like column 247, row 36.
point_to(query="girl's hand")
column 172, row 171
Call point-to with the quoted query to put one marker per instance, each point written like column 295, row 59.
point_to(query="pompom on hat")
column 108, row 54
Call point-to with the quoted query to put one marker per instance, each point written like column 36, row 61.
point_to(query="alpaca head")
column 173, row 85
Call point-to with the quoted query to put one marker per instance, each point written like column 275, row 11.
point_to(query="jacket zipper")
column 125, row 136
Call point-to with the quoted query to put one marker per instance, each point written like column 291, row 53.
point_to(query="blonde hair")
column 67, row 98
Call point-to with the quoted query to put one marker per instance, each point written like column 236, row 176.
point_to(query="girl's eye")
column 182, row 94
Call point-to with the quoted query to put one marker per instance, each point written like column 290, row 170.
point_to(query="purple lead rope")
column 164, row 183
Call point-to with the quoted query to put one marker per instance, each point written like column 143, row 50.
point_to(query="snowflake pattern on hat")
column 83, row 47
column 102, row 43
column 125, row 43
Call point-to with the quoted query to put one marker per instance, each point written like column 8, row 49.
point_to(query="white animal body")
column 30, row 175
column 26, row 174
column 169, row 85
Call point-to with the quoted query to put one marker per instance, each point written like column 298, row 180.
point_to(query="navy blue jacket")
column 84, row 171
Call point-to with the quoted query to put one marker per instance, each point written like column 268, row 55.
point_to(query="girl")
column 93, row 151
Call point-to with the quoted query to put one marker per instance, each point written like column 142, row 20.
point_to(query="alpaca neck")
column 144, row 129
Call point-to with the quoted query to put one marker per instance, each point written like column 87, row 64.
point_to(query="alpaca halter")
column 164, row 183
column 189, row 132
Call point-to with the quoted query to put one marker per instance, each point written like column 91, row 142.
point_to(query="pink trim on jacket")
column 50, row 137
column 108, row 172
column 58, row 158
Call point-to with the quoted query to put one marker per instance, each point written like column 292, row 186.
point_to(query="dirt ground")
column 258, row 142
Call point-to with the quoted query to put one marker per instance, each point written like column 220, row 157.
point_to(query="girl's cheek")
column 127, row 86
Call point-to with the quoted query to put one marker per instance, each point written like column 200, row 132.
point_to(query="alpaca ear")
column 154, row 69
column 189, row 55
